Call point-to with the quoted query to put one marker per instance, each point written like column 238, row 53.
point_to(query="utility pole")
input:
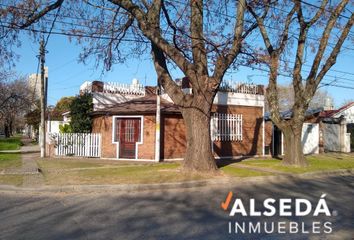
column 43, row 95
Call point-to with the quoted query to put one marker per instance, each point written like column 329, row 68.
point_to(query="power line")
column 268, row 26
column 324, row 81
column 72, row 34
column 327, row 75
column 313, row 5
column 126, row 40
column 219, row 13
column 109, row 38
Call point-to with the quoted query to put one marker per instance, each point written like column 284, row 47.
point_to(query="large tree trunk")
column 199, row 156
column 293, row 151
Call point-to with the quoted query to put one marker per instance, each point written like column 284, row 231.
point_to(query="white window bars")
column 226, row 127
column 240, row 87
column 134, row 89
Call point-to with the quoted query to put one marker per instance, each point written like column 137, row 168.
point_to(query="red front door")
column 129, row 133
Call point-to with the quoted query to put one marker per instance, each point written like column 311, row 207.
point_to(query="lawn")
column 113, row 174
column 53, row 164
column 321, row 162
column 11, row 179
column 234, row 171
column 81, row 171
column 7, row 161
column 90, row 171
column 12, row 143
column 10, row 160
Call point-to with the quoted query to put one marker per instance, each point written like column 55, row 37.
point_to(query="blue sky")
column 66, row 74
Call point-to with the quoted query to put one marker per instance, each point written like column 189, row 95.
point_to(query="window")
column 127, row 130
column 226, row 127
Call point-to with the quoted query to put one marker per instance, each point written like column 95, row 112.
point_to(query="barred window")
column 127, row 130
column 226, row 127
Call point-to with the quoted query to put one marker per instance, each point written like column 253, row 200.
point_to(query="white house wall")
column 53, row 126
column 310, row 138
column 348, row 114
column 231, row 98
column 102, row 100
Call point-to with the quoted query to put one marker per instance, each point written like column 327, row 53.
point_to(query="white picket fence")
column 78, row 144
column 226, row 127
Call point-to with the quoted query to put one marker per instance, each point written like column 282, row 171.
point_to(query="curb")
column 178, row 185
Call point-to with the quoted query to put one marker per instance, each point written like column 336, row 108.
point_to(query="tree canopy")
column 62, row 106
column 80, row 109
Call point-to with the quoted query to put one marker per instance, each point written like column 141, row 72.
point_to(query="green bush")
column 80, row 110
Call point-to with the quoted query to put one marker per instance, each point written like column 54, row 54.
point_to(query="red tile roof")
column 331, row 113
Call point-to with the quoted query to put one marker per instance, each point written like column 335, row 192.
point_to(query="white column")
column 157, row 128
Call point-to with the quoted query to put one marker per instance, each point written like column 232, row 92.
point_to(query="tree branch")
column 174, row 28
column 331, row 60
column 318, row 13
column 36, row 17
column 285, row 34
column 262, row 29
column 154, row 35
column 198, row 45
column 164, row 78
column 223, row 62
column 324, row 41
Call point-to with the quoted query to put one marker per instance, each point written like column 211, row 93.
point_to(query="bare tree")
column 15, row 100
column 331, row 22
column 200, row 38
column 286, row 98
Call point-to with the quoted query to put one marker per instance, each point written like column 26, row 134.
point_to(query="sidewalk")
column 29, row 154
column 29, row 169
column 213, row 183
column 28, row 147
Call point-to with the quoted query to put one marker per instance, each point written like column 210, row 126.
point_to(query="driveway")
column 174, row 214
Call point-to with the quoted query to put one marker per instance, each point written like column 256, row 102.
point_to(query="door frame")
column 114, row 118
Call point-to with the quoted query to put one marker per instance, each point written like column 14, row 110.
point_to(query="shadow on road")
column 171, row 214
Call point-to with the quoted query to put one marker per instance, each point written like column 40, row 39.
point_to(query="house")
column 324, row 130
column 310, row 139
column 53, row 126
column 125, row 117
column 340, row 137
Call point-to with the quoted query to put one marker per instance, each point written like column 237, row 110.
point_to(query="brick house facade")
column 127, row 122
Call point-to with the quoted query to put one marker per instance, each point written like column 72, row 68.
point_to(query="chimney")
column 97, row 86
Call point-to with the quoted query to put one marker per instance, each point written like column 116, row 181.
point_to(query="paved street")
column 173, row 214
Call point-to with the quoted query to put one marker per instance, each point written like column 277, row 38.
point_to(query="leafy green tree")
column 66, row 128
column 80, row 110
column 62, row 106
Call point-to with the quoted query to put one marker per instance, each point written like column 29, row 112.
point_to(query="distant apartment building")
column 34, row 83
